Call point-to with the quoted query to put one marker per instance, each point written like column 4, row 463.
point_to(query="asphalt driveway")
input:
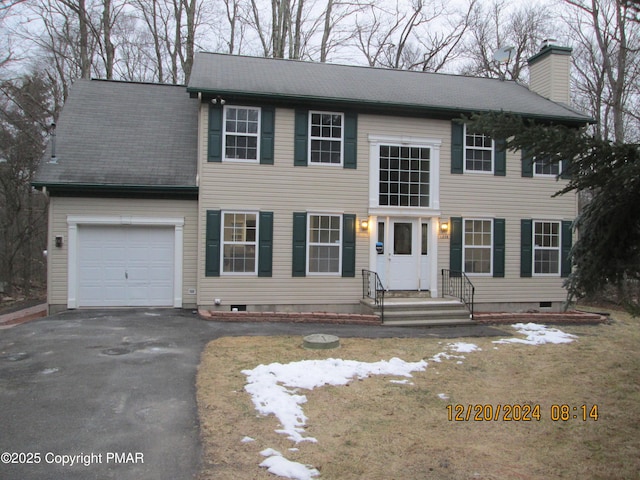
column 111, row 394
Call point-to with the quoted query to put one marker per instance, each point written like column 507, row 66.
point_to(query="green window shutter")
column 457, row 147
column 215, row 134
column 455, row 245
column 265, row 244
column 350, row 140
column 301, row 138
column 565, row 254
column 526, row 247
column 527, row 164
column 299, row 260
column 500, row 158
column 565, row 169
column 348, row 245
column 267, row 134
column 212, row 244
column 498, row 246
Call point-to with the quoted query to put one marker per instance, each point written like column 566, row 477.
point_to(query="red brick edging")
column 570, row 317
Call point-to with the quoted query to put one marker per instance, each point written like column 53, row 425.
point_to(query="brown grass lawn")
column 375, row 429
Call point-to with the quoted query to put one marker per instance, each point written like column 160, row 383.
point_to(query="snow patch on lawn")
column 274, row 388
column 280, row 466
column 538, row 335
column 458, row 347
column 462, row 347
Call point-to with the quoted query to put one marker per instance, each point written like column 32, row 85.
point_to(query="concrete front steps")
column 414, row 310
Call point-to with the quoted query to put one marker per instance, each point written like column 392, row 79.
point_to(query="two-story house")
column 271, row 185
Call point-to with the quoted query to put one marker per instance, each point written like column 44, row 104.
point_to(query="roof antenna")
column 53, row 158
column 503, row 55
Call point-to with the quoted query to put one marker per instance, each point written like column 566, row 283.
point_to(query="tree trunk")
column 190, row 7
column 109, row 47
column 83, row 23
column 324, row 45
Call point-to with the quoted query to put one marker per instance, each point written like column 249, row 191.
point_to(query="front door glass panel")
column 402, row 241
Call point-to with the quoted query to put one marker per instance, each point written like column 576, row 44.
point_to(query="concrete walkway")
column 8, row 320
column 114, row 391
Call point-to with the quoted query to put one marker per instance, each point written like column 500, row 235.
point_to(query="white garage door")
column 125, row 266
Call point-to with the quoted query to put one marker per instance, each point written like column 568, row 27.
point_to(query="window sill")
column 477, row 172
column 323, row 164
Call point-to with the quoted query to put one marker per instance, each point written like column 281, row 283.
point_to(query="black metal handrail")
column 457, row 284
column 373, row 289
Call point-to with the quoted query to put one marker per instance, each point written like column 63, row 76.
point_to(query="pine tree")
column 607, row 250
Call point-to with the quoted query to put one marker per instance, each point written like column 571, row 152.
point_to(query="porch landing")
column 417, row 308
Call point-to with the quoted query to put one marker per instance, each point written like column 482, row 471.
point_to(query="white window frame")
column 312, row 138
column 464, row 154
column 375, row 141
column 224, row 242
column 311, row 244
column 400, row 146
column 225, row 133
column 542, row 165
column 542, row 248
column 465, row 246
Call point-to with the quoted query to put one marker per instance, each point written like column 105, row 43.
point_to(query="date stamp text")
column 514, row 412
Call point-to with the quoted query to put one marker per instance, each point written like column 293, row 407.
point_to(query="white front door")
column 403, row 254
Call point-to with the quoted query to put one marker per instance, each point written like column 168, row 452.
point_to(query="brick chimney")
column 549, row 72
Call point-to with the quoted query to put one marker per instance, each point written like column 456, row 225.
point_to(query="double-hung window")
column 325, row 244
column 473, row 152
column 239, row 243
column 326, row 135
column 544, row 168
column 477, row 246
column 241, row 133
column 325, row 138
column 478, row 152
column 546, row 248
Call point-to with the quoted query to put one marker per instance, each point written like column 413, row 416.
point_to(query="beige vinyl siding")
column 61, row 207
column 282, row 189
column 550, row 77
column 513, row 197
column 401, row 126
column 480, row 195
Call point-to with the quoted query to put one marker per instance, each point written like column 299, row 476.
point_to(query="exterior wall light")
column 444, row 228
column 364, row 224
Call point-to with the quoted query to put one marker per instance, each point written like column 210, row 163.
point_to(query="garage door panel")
column 148, row 296
column 125, row 266
column 102, row 296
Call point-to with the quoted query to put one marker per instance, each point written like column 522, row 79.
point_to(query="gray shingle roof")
column 119, row 133
column 221, row 74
